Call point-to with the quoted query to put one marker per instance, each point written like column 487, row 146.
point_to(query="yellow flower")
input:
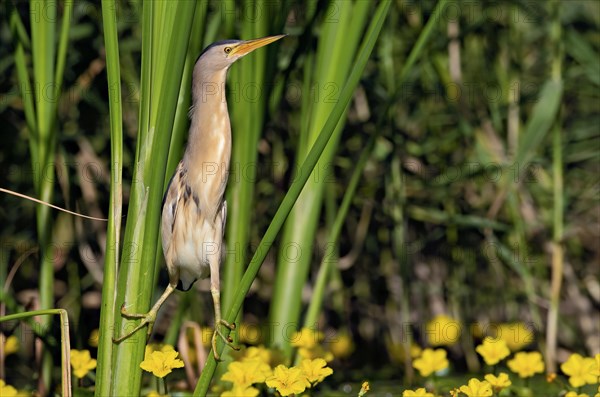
column 7, row 390
column 475, row 388
column 161, row 363
column 580, row 370
column 421, row 392
column 493, row 350
column 315, row 370
column 207, row 333
column 249, row 333
column 574, row 394
column 498, row 382
column 157, row 347
column 597, row 366
column 443, row 331
column 526, row 364
column 431, row 361
column 342, row 345
column 364, row 389
column 94, row 338
column 11, row 345
column 306, row 338
column 257, row 353
column 241, row 391
column 516, row 335
column 82, row 362
column 551, row 377
column 246, row 373
column 307, row 342
column 454, row 392
column 288, row 380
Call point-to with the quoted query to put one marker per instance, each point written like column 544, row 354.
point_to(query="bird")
column 194, row 210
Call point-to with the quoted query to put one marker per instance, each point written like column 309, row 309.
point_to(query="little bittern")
column 194, row 210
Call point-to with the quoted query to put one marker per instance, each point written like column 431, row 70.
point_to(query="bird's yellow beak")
column 251, row 45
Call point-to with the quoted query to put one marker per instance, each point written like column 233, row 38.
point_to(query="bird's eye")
column 227, row 50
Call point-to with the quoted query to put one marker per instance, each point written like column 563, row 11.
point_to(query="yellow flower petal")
column 443, row 331
column 315, row 370
column 306, row 338
column 241, row 391
column 516, row 335
column 421, row 392
column 493, row 350
column 597, row 368
column 82, row 362
column 476, row 388
column 250, row 334
column 7, row 390
column 574, row 394
column 526, row 364
column 581, row 370
column 94, row 338
column 161, row 363
column 364, row 389
column 246, row 373
column 431, row 361
column 498, row 382
column 288, row 380
column 11, row 345
column 342, row 345
column 257, row 353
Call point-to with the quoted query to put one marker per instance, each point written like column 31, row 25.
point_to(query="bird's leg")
column 147, row 318
column 214, row 261
column 216, row 295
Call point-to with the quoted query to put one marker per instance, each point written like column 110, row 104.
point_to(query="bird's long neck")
column 209, row 143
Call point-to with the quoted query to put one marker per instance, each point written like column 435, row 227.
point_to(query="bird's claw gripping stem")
column 147, row 318
column 227, row 339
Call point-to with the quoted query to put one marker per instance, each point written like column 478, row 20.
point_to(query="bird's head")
column 222, row 54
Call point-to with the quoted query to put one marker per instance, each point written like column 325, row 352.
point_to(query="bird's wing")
column 224, row 215
column 169, row 208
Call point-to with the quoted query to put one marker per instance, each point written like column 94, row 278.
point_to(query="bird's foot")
column 147, row 319
column 228, row 340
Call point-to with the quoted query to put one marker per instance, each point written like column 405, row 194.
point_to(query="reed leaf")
column 113, row 240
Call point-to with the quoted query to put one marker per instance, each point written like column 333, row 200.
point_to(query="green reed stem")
column 558, row 202
column 115, row 212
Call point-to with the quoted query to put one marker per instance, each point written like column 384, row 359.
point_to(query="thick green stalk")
column 113, row 247
column 47, row 72
column 297, row 185
column 43, row 56
column 558, row 202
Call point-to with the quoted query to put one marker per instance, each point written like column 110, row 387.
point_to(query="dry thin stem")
column 51, row 205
